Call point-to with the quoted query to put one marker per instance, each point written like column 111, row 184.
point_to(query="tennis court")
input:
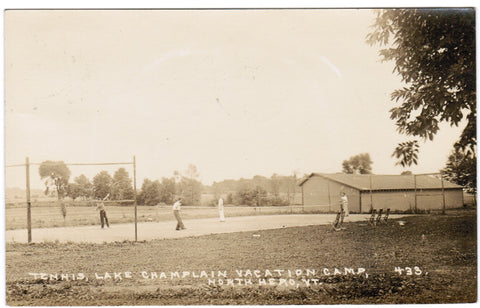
column 166, row 229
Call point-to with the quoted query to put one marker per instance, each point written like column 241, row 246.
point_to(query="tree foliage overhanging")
column 434, row 53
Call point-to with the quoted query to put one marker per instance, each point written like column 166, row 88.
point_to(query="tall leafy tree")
column 167, row 190
column 86, row 188
column 461, row 169
column 275, row 183
column 150, row 194
column 102, row 185
column 251, row 196
column 189, row 187
column 359, row 164
column 81, row 187
column 190, row 190
column 122, row 185
column 434, row 54
column 56, row 175
column 192, row 172
column 73, row 191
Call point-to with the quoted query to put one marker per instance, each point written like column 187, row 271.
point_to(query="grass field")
column 437, row 255
column 51, row 216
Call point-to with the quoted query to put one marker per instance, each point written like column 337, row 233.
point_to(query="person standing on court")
column 220, row 210
column 344, row 203
column 176, row 212
column 103, row 213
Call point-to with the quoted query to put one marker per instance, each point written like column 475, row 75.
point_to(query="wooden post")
column 359, row 201
column 302, row 197
column 371, row 194
column 443, row 194
column 329, row 197
column 415, row 184
column 135, row 193
column 29, row 204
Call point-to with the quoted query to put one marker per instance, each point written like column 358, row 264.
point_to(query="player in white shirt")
column 103, row 213
column 344, row 202
column 220, row 210
column 176, row 212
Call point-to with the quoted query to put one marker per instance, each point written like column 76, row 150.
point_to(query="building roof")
column 362, row 182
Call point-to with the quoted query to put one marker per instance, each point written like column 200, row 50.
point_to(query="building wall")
column 433, row 199
column 405, row 200
column 315, row 192
column 326, row 193
column 394, row 200
column 320, row 191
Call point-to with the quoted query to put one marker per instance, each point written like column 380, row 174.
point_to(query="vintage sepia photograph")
column 254, row 156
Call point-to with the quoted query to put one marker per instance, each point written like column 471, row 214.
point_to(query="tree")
column 406, row 172
column 229, row 198
column 150, row 194
column 86, row 187
column 167, row 190
column 359, row 164
column 102, row 185
column 252, row 196
column 73, row 191
column 189, row 188
column 461, row 169
column 275, row 185
column 192, row 172
column 81, row 187
column 434, row 54
column 56, row 175
column 122, row 185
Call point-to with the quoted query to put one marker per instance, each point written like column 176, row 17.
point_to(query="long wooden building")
column 400, row 193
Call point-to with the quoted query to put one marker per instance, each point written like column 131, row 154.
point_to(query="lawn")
column 51, row 216
column 429, row 259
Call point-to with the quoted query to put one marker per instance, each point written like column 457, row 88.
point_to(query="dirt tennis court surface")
column 165, row 230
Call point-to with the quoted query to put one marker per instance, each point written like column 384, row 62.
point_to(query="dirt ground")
column 424, row 259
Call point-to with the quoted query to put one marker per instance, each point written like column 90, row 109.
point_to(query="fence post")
column 29, row 204
column 135, row 193
column 303, row 201
column 371, row 195
column 415, row 184
column 329, row 197
column 443, row 194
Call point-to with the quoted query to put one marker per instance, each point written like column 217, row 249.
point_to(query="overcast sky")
column 235, row 92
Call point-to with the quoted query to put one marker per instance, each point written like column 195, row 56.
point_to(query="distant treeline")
column 276, row 184
column 257, row 191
